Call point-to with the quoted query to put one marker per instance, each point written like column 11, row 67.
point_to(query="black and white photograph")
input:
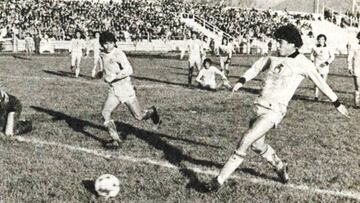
column 179, row 101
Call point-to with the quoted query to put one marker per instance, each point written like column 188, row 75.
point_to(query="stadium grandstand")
column 136, row 25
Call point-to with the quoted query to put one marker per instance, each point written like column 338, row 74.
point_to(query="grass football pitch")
column 60, row 158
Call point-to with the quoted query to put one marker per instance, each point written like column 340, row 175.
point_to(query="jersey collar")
column 295, row 54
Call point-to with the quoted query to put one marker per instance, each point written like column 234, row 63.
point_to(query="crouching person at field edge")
column 10, row 110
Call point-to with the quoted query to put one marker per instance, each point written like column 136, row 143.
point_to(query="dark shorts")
column 14, row 105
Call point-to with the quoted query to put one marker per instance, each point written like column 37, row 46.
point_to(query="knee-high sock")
column 272, row 158
column 230, row 166
column 111, row 128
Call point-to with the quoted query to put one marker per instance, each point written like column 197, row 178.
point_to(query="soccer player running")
column 95, row 43
column 322, row 56
column 207, row 75
column 195, row 47
column 225, row 50
column 10, row 110
column 284, row 74
column 117, row 72
column 76, row 50
column 353, row 62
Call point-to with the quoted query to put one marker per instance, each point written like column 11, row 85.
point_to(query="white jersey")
column 116, row 66
column 354, row 59
column 195, row 47
column 77, row 45
column 207, row 76
column 322, row 55
column 284, row 75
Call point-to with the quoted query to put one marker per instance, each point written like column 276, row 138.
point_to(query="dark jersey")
column 13, row 105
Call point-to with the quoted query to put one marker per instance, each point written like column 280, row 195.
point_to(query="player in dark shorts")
column 10, row 110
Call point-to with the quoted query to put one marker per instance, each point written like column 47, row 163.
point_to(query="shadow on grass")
column 78, row 125
column 23, row 57
column 66, row 74
column 89, row 185
column 159, row 81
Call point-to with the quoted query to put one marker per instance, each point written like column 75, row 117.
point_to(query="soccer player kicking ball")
column 76, row 50
column 206, row 77
column 117, row 72
column 353, row 61
column 195, row 47
column 284, row 75
column 10, row 110
column 322, row 56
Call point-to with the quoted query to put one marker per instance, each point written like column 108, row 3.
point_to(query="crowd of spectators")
column 135, row 20
column 58, row 19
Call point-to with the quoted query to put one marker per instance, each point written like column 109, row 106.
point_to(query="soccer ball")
column 107, row 186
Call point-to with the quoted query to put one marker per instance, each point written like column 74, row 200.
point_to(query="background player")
column 195, row 48
column 95, row 44
column 322, row 56
column 354, row 68
column 284, row 75
column 76, row 50
column 207, row 77
column 225, row 50
column 10, row 110
column 117, row 72
column 29, row 44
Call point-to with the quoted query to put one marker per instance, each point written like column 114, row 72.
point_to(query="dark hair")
column 207, row 60
column 320, row 36
column 358, row 35
column 290, row 34
column 107, row 37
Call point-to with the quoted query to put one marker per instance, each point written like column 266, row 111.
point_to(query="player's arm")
column 324, row 87
column 200, row 76
column 126, row 69
column 185, row 48
column 71, row 45
column 312, row 55
column 259, row 66
column 331, row 57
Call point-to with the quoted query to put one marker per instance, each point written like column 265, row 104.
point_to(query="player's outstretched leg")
column 257, row 131
column 110, row 105
column 150, row 113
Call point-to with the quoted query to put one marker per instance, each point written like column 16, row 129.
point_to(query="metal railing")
column 205, row 24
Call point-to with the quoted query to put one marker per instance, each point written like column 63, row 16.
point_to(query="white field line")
column 304, row 188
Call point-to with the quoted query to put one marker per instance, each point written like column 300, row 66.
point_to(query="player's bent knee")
column 259, row 148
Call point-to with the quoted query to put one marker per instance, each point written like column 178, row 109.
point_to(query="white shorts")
column 75, row 57
column 274, row 116
column 195, row 60
column 122, row 91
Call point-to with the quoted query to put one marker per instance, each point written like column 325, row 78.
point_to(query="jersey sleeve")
column 124, row 64
column 259, row 66
column 314, row 75
column 312, row 55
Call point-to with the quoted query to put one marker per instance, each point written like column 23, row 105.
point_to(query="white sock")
column 231, row 165
column 272, row 158
column 77, row 72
